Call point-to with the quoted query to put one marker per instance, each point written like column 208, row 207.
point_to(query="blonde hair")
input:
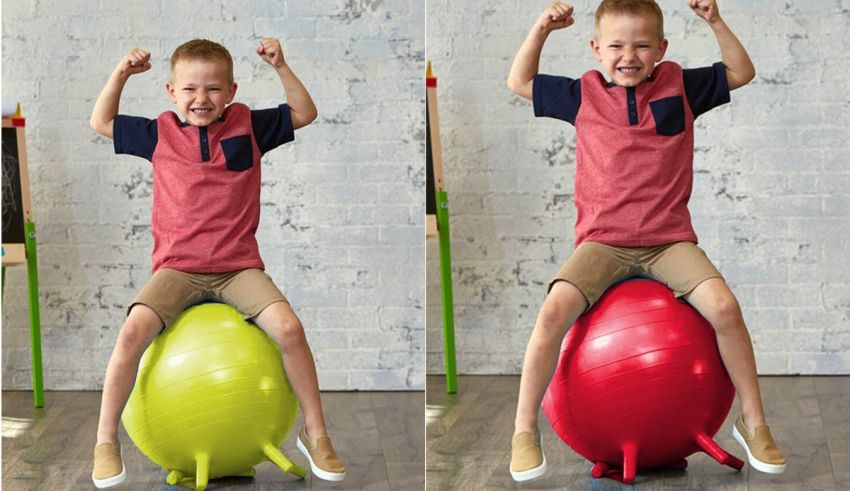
column 202, row 49
column 634, row 7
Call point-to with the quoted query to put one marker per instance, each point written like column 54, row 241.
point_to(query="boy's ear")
column 662, row 49
column 170, row 89
column 233, row 88
column 596, row 48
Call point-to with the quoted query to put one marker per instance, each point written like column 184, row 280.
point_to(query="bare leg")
column 559, row 311
column 716, row 302
column 137, row 333
column 281, row 324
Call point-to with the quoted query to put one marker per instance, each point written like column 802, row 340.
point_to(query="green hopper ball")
column 211, row 398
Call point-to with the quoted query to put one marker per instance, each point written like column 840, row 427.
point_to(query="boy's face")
column 628, row 47
column 201, row 89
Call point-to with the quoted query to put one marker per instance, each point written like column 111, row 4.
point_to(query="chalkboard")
column 431, row 197
column 433, row 154
column 16, row 199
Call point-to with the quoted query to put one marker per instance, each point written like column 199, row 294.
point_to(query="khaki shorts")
column 594, row 267
column 169, row 292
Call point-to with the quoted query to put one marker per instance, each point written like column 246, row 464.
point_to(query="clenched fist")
column 556, row 16
column 271, row 51
column 136, row 61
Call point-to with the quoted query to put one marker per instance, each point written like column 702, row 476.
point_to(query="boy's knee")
column 563, row 304
column 552, row 317
column 723, row 310
column 282, row 324
column 137, row 333
column 291, row 328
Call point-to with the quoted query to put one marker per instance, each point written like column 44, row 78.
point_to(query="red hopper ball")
column 640, row 383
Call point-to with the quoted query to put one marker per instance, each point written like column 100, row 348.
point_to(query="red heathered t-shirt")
column 634, row 151
column 206, row 184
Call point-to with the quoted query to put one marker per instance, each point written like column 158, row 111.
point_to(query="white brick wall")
column 771, row 198
column 342, row 208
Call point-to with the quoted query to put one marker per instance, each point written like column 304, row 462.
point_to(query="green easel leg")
column 446, row 284
column 35, row 318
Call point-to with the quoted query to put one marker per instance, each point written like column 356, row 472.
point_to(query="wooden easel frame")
column 439, row 225
column 14, row 254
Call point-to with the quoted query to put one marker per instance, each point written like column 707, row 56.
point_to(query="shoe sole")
column 530, row 474
column 114, row 480
column 321, row 474
column 754, row 462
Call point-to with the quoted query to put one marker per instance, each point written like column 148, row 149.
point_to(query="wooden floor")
column 379, row 435
column 469, row 434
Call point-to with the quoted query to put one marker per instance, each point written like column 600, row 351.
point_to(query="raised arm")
column 739, row 67
column 106, row 106
column 301, row 105
column 521, row 79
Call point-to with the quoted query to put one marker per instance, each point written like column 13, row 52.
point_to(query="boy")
column 634, row 159
column 205, row 212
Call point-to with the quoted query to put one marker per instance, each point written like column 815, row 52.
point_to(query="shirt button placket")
column 632, row 105
column 205, row 148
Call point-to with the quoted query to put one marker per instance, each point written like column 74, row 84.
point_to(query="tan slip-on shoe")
column 323, row 460
column 108, row 469
column 527, row 459
column 762, row 452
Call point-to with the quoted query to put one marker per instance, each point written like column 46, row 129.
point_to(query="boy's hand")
column 557, row 16
column 136, row 61
column 271, row 51
column 707, row 9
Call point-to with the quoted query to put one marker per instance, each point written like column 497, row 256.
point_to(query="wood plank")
column 51, row 438
column 402, row 434
column 456, row 458
column 352, row 423
column 468, row 441
column 841, row 470
column 52, row 448
column 401, row 426
column 833, row 395
column 834, row 400
column 793, row 413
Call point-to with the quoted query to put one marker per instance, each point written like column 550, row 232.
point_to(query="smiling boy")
column 634, row 173
column 206, row 209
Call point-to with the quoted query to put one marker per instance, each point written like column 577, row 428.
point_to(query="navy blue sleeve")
column 556, row 97
column 706, row 88
column 272, row 127
column 133, row 135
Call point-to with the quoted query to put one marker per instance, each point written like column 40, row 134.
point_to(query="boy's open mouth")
column 628, row 69
column 201, row 110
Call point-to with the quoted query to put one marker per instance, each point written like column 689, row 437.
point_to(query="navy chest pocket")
column 238, row 152
column 669, row 115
